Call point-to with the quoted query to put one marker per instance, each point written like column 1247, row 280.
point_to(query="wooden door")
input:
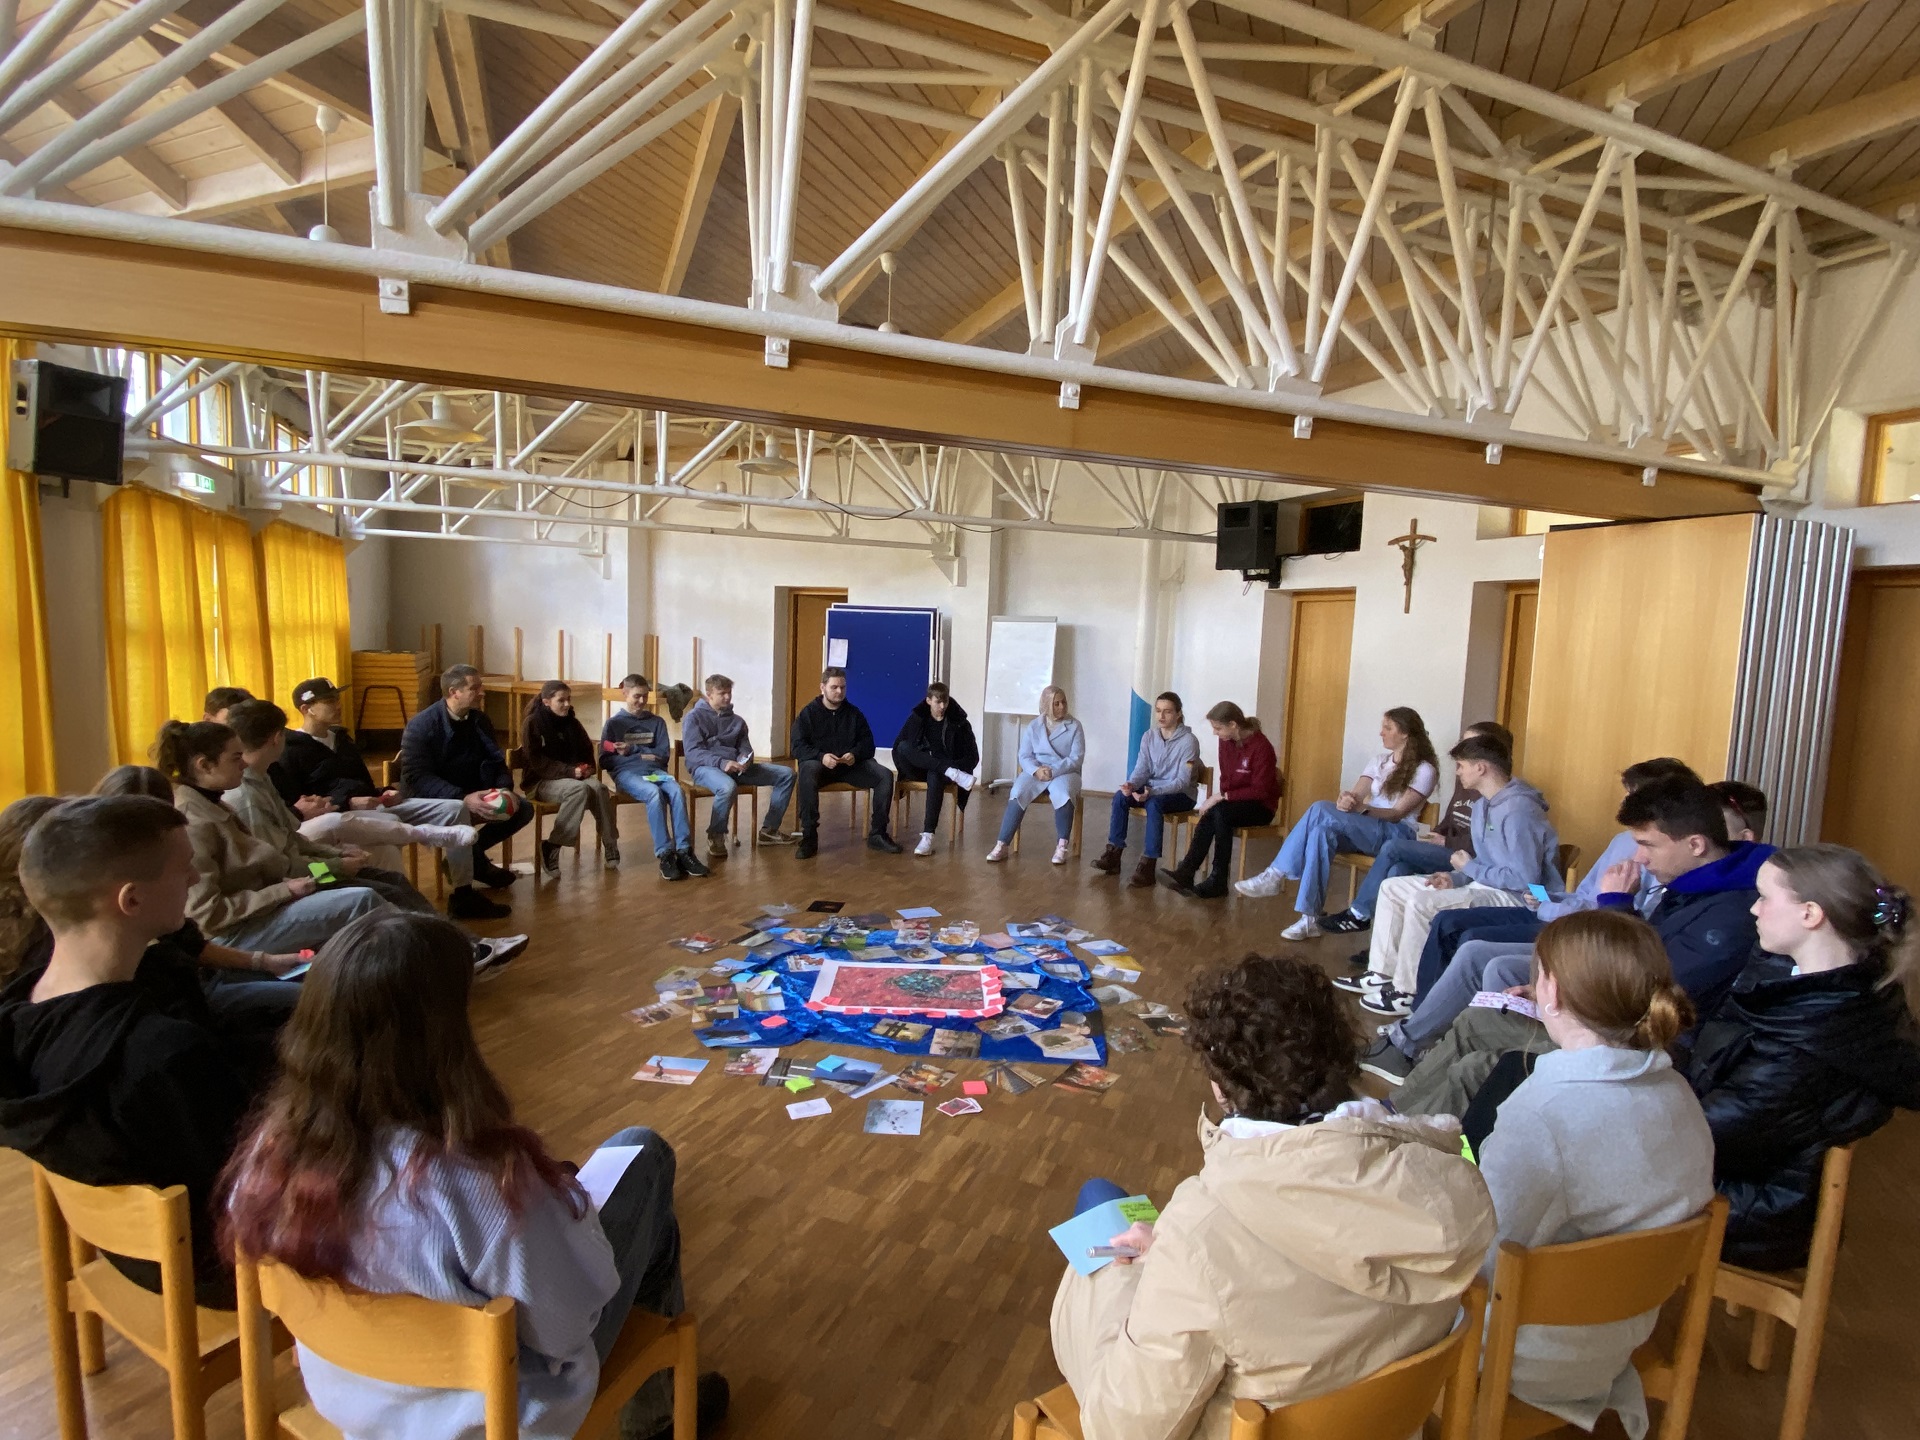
column 806, row 646
column 1322, row 650
column 1873, row 783
column 1516, row 664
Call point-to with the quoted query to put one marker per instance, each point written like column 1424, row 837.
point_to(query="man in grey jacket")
column 1163, row 782
column 720, row 757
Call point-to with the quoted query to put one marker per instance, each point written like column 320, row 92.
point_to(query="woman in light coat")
column 1052, row 750
column 1312, row 1249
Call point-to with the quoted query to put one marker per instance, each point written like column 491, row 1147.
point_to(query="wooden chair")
column 1594, row 1282
column 1390, row 1404
column 405, row 1340
column 1180, row 821
column 1357, row 865
column 1796, row 1297
column 1073, row 833
column 903, row 809
column 1244, row 833
column 697, row 792
column 198, row 1348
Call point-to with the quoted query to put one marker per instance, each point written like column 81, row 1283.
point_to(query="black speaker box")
column 67, row 424
column 1247, row 537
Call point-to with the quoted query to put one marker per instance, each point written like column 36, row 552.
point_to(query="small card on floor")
column 973, row 1087
column 919, row 912
column 671, row 1070
column 827, row 907
column 802, row 1109
column 960, row 1105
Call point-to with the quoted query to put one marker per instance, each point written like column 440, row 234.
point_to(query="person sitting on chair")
column 936, row 746
column 636, row 753
column 1248, row 792
column 448, row 752
column 1164, row 781
column 1380, row 807
column 415, row 1178
column 1312, row 1249
column 833, row 744
column 719, row 755
column 560, row 770
column 220, row 700
column 1052, row 749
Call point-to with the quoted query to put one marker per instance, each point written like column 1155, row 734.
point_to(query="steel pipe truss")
column 1329, row 208
column 391, row 457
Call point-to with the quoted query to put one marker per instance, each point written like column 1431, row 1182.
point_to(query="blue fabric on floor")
column 858, row 1030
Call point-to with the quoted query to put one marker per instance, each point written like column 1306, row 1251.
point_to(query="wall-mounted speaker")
column 1247, row 538
column 66, row 424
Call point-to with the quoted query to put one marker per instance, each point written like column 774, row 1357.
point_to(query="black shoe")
column 550, row 857
column 710, row 1408
column 490, row 875
column 1214, row 887
column 690, row 866
column 1360, row 959
column 670, row 866
column 809, row 847
column 467, row 903
column 1384, row 1059
column 1177, row 880
column 883, row 841
column 1345, row 923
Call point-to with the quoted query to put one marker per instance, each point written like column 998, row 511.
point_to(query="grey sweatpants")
column 1451, row 1074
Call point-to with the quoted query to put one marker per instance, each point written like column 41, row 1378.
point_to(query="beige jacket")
column 236, row 877
column 1295, row 1262
column 269, row 821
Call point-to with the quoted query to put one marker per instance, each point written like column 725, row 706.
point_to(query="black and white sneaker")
column 1362, row 984
column 491, row 955
column 669, row 865
column 779, row 837
column 1384, row 1059
column 690, row 866
column 1387, row 1001
column 1345, row 923
column 550, row 857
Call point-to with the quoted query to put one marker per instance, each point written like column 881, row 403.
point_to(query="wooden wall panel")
column 1317, row 698
column 1873, row 784
column 1636, row 649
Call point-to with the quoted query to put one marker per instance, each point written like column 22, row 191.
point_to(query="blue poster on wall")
column 888, row 656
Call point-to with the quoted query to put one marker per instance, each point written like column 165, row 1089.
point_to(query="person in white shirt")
column 1380, row 807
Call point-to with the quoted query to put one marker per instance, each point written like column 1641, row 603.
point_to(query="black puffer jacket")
column 1786, row 1067
column 928, row 746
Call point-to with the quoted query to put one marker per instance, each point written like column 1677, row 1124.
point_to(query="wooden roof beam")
column 248, row 125
column 1715, row 39
column 159, row 177
column 476, row 115
column 1852, row 122
column 716, row 134
column 330, row 79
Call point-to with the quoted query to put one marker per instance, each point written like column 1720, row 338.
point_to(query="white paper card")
column 837, row 653
column 801, row 1109
column 603, row 1170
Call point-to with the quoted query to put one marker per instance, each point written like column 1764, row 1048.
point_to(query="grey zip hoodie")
column 1167, row 765
column 1514, row 844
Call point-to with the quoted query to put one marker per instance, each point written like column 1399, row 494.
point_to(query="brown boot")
column 1109, row 861
column 1142, row 876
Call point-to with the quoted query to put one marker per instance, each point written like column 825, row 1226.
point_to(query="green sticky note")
column 1466, row 1151
column 799, row 1083
column 317, row 869
column 1135, row 1212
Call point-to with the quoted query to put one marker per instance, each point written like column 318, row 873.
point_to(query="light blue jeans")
column 1402, row 855
column 1477, row 965
column 724, row 787
column 666, row 806
column 1322, row 833
column 303, row 924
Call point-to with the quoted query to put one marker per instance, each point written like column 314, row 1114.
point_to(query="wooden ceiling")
column 1836, row 83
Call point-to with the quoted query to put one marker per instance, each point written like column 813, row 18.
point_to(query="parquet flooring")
column 880, row 1288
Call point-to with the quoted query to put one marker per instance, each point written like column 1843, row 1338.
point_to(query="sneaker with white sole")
column 1384, row 1059
column 1365, row 983
column 1307, row 927
column 925, row 847
column 451, row 837
column 999, row 852
column 1387, row 1001
column 1262, row 886
column 1060, row 851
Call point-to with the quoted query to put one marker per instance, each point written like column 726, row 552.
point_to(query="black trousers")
column 1214, row 830
column 494, row 831
column 866, row 775
column 932, row 769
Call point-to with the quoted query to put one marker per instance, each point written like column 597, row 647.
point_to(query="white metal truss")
column 1650, row 297
column 396, row 458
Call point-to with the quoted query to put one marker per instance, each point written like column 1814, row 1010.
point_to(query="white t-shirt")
column 1424, row 779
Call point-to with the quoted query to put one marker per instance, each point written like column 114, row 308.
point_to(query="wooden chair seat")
column 903, row 810
column 1243, row 833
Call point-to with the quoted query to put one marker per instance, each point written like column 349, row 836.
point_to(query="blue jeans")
column 724, row 787
column 1096, row 1193
column 1401, row 855
column 1477, row 965
column 1323, row 832
column 1453, row 928
column 1062, row 821
column 660, row 799
column 303, row 924
column 1158, row 807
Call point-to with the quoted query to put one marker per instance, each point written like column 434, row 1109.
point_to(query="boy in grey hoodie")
column 1514, row 849
column 1164, row 780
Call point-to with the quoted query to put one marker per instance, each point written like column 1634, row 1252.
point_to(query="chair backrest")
column 1205, row 776
column 138, row 1221
column 1394, row 1401
column 401, row 1339
column 1597, row 1282
column 1565, row 861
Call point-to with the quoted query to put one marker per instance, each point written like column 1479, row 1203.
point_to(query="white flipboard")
column 1020, row 651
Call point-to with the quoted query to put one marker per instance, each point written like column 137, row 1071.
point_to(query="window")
column 1890, row 473
column 318, row 480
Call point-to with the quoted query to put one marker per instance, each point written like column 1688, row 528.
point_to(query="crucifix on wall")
column 1408, row 546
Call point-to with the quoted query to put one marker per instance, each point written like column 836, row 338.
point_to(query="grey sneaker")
column 716, row 847
column 779, row 837
column 1384, row 1059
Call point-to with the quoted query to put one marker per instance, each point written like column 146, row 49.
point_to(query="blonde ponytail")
column 1669, row 1014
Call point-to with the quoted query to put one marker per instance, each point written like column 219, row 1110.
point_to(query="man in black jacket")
column 937, row 746
column 448, row 753
column 833, row 745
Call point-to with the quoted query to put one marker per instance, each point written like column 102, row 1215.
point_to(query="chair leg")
column 93, row 1345
column 63, row 1338
column 1760, row 1347
column 1802, row 1371
column 1026, row 1420
column 686, row 1380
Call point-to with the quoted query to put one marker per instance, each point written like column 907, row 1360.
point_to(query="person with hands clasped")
column 1164, row 782
column 637, row 753
column 834, row 744
column 560, row 770
column 1052, row 750
column 1349, row 1234
column 719, row 755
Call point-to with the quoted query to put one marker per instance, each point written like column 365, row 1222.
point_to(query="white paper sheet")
column 604, row 1168
column 837, row 653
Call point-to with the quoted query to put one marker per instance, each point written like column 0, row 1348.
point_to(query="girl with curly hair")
column 1319, row 1242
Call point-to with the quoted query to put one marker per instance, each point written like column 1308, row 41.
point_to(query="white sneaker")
column 1262, row 886
column 999, row 852
column 925, row 847
column 1060, row 850
column 451, row 837
column 1307, row 927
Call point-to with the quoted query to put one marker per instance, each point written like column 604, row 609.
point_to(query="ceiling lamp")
column 440, row 427
column 721, row 498
column 769, row 461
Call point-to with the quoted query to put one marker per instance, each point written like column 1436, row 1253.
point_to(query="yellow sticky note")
column 799, row 1083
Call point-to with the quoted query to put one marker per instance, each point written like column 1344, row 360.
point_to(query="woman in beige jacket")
column 1311, row 1249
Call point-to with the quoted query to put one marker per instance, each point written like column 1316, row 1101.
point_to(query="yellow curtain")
column 26, row 710
column 183, row 613
column 303, row 579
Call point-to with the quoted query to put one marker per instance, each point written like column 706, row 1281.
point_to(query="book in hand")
column 1096, row 1228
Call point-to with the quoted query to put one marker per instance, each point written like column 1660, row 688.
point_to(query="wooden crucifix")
column 1409, row 545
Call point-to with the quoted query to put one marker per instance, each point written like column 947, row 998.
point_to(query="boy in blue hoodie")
column 636, row 753
column 1514, row 848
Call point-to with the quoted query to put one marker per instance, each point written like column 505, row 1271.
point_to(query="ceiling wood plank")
column 248, row 125
column 1851, row 122
column 158, row 176
column 716, row 133
column 475, row 122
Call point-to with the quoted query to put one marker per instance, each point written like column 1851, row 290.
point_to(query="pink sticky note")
column 773, row 1020
column 973, row 1087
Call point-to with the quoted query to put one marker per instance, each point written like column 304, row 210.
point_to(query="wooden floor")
column 855, row 1286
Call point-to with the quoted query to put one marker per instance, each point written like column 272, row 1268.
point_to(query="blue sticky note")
column 1539, row 892
column 1098, row 1226
column 834, row 1062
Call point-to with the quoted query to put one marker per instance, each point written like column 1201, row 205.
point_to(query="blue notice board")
column 888, row 657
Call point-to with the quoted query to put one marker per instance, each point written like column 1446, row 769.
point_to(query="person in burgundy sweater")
column 1246, row 792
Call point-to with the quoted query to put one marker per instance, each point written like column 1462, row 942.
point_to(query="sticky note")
column 1539, row 892
column 799, row 1083
column 772, row 1021
column 973, row 1087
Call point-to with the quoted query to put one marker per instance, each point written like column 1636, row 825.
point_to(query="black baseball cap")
column 308, row 691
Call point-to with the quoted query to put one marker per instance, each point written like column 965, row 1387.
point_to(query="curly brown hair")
column 1274, row 1037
